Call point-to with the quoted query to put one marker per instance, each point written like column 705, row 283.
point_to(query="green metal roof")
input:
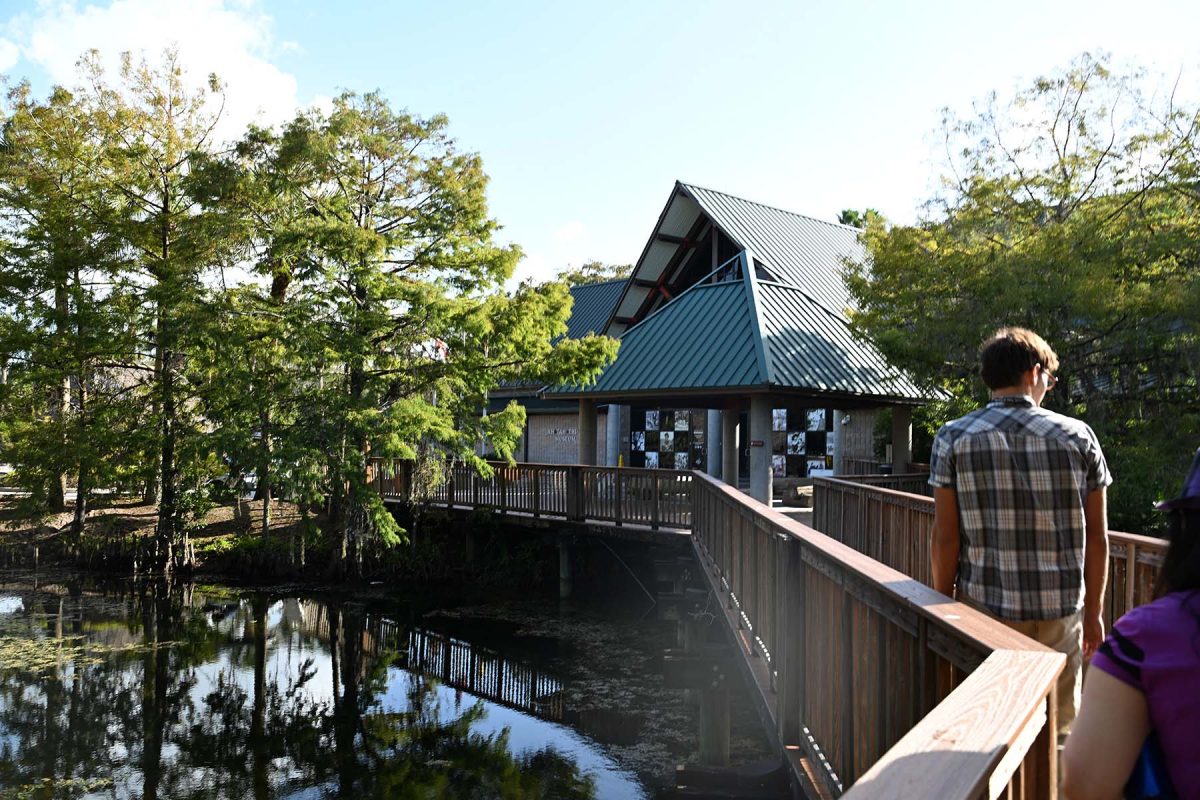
column 704, row 339
column 790, row 248
column 796, row 250
column 747, row 334
column 808, row 346
column 593, row 304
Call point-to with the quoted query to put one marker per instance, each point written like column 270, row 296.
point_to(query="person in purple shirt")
column 1145, row 678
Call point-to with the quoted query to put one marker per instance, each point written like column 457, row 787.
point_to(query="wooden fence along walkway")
column 895, row 528
column 873, row 684
column 652, row 498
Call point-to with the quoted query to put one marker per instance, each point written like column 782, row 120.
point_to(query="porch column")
column 729, row 446
column 612, row 435
column 712, row 444
column 901, row 438
column 760, row 448
column 585, row 432
column 839, row 421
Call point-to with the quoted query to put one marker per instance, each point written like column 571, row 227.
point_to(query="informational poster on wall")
column 667, row 438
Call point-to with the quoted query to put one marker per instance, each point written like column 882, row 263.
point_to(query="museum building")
column 736, row 356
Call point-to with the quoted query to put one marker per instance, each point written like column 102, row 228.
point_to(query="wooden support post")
column 790, row 660
column 1130, row 577
column 537, row 492
column 450, row 488
column 619, row 496
column 845, row 769
column 502, row 484
column 564, row 570
column 714, row 724
column 655, row 499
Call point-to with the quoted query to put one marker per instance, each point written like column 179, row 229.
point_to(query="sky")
column 586, row 113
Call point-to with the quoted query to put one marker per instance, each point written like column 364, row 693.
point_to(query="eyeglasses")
column 1051, row 381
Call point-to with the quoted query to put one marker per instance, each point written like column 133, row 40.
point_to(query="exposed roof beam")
column 681, row 240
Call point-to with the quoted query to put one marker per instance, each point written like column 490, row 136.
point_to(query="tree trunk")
column 164, row 538
column 60, row 403
column 259, row 745
column 264, row 471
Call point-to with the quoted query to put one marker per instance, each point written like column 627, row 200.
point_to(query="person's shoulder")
column 1158, row 616
column 966, row 423
column 1063, row 425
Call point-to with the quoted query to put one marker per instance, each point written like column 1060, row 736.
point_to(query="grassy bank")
column 228, row 544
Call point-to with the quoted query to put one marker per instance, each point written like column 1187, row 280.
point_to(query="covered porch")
column 750, row 379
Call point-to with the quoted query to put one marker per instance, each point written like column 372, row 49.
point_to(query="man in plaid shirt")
column 1020, row 517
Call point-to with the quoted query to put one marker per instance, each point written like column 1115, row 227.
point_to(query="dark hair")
column 1011, row 352
column 1181, row 566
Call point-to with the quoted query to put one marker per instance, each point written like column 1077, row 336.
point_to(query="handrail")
column 896, row 528
column 875, row 684
column 860, row 663
column 653, row 498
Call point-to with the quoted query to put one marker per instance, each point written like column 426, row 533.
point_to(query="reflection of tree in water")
column 137, row 716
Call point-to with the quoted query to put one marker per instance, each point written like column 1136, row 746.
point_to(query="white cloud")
column 570, row 231
column 232, row 39
column 9, row 54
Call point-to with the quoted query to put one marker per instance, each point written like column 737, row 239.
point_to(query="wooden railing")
column 910, row 482
column 872, row 466
column 655, row 498
column 895, row 528
column 874, row 684
column 871, row 678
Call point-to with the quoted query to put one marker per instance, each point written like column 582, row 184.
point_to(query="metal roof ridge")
column 760, row 344
column 838, row 225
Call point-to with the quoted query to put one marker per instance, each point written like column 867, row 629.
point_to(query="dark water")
column 150, row 691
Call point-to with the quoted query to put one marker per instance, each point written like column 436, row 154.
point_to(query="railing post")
column 575, row 493
column 655, row 498
column 502, row 489
column 618, row 495
column 1130, row 576
column 450, row 487
column 537, row 492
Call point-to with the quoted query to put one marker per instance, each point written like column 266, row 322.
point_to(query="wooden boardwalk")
column 870, row 683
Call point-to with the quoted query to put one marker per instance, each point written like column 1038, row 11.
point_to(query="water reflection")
column 156, row 691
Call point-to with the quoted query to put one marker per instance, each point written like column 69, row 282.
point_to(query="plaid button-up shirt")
column 1022, row 475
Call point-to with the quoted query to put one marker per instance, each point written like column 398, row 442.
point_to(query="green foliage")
column 375, row 322
column 595, row 272
column 859, row 219
column 1071, row 210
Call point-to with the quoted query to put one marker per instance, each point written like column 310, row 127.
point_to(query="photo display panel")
column 667, row 438
column 801, row 440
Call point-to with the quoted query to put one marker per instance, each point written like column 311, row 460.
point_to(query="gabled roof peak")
column 694, row 186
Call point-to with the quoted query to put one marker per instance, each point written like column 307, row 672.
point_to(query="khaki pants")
column 1066, row 636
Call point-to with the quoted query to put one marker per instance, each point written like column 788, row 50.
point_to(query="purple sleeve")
column 1122, row 655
